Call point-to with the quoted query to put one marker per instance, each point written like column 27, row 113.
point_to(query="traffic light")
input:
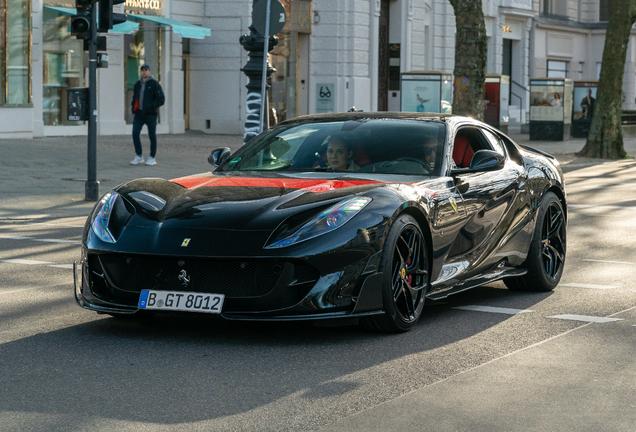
column 107, row 18
column 81, row 25
column 81, row 22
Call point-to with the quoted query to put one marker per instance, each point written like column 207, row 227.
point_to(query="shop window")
column 141, row 47
column 557, row 69
column 15, row 52
column 63, row 62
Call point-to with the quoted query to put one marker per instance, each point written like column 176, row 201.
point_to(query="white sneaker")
column 151, row 161
column 137, row 160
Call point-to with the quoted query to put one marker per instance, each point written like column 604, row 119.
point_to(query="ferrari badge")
column 453, row 204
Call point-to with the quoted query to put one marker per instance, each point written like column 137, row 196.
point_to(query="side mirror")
column 218, row 156
column 487, row 160
column 483, row 160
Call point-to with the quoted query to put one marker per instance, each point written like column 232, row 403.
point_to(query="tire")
column 546, row 256
column 405, row 278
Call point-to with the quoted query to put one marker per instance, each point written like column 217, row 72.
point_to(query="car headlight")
column 110, row 217
column 330, row 219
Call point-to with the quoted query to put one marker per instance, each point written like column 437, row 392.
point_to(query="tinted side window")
column 513, row 151
column 495, row 142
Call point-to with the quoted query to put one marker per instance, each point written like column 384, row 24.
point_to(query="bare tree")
column 605, row 139
column 470, row 58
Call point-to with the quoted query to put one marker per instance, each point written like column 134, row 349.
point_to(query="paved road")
column 487, row 359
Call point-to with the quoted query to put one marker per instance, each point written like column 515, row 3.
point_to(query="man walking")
column 147, row 98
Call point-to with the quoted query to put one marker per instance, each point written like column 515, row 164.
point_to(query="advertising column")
column 550, row 109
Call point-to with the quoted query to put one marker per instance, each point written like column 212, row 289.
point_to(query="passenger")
column 429, row 151
column 339, row 155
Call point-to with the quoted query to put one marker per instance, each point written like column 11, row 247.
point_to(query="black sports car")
column 327, row 216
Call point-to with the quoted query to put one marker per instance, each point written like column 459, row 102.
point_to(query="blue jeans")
column 151, row 122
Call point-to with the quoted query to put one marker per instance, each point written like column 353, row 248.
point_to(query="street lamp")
column 254, row 44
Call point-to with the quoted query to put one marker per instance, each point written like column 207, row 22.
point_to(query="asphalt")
column 45, row 178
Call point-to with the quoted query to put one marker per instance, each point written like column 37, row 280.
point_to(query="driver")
column 339, row 155
column 429, row 151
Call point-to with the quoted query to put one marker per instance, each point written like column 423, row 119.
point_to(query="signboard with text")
column 325, row 96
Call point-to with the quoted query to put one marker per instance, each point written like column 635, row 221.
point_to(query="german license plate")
column 181, row 301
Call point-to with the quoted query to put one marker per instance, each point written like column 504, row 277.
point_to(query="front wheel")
column 546, row 256
column 405, row 277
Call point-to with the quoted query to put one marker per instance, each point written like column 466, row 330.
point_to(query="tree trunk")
column 605, row 140
column 470, row 58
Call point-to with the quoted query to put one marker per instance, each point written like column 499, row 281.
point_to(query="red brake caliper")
column 409, row 278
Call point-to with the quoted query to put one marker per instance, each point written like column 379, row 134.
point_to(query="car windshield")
column 382, row 146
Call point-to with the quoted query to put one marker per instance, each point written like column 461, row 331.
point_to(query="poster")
column 325, row 96
column 584, row 100
column 421, row 94
column 546, row 103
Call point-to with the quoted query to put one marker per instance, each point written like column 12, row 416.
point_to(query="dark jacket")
column 153, row 97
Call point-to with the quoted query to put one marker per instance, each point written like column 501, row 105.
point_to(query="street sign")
column 277, row 17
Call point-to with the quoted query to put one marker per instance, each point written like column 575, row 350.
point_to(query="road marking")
column 599, row 207
column 56, row 241
column 491, row 309
column 612, row 185
column 582, row 285
column 23, row 261
column 18, row 290
column 38, row 239
column 585, row 318
column 609, row 262
column 56, row 225
column 63, row 266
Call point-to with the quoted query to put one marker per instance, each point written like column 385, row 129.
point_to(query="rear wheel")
column 546, row 256
column 405, row 277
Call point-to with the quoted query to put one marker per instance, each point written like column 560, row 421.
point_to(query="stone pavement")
column 45, row 177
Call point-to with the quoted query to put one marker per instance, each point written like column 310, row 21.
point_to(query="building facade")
column 331, row 55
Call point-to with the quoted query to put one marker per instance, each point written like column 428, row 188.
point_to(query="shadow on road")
column 183, row 369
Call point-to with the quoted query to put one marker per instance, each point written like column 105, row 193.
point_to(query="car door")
column 492, row 203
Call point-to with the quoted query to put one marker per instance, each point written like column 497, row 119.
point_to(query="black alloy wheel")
column 546, row 256
column 553, row 241
column 405, row 277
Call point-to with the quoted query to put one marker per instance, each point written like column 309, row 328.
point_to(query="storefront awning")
column 126, row 27
column 183, row 29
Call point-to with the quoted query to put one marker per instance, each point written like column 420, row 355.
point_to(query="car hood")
column 255, row 202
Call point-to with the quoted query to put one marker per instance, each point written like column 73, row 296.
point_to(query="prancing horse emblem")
column 184, row 278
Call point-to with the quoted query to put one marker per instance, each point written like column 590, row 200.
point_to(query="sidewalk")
column 45, row 177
